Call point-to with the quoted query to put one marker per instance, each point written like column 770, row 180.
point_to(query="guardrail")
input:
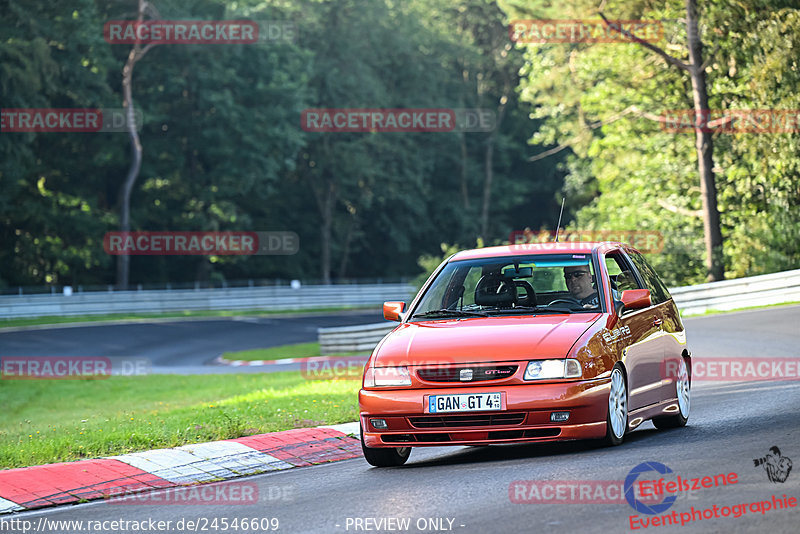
column 775, row 288
column 352, row 338
column 761, row 290
column 244, row 298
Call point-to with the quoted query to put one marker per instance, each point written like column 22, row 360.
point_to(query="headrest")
column 494, row 290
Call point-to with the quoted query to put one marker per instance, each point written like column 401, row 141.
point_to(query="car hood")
column 481, row 339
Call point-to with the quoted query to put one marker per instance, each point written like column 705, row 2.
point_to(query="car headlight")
column 386, row 377
column 549, row 369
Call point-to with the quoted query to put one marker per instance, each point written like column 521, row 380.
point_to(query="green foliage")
column 429, row 262
column 625, row 172
column 223, row 147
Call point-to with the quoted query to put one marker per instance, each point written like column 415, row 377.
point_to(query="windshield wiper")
column 451, row 313
column 519, row 309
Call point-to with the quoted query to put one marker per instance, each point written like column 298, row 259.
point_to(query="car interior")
column 512, row 286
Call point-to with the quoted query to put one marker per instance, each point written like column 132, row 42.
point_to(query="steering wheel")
column 566, row 301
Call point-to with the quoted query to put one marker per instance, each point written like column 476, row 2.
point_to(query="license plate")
column 466, row 402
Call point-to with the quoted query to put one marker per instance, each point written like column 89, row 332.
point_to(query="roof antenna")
column 559, row 218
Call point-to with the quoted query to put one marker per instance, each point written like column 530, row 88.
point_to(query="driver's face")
column 579, row 283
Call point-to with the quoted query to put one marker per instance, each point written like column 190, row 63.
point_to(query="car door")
column 638, row 336
column 661, row 320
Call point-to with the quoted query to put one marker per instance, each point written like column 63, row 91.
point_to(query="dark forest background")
column 223, row 148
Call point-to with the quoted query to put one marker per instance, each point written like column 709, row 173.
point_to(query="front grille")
column 454, row 421
column 471, row 374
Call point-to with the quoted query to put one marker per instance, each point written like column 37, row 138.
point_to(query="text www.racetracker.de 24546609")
column 198, row 524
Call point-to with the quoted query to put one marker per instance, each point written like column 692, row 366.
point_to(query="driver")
column 579, row 284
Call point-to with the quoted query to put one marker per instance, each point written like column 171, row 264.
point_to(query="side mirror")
column 392, row 310
column 635, row 299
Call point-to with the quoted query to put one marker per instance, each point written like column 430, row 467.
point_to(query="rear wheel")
column 388, row 457
column 683, row 391
column 617, row 419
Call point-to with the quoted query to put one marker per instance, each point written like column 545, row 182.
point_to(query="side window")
column 657, row 288
column 621, row 274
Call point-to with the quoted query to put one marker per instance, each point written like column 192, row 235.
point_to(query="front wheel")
column 617, row 419
column 683, row 391
column 388, row 457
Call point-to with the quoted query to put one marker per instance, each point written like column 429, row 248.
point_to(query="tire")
column 388, row 457
column 617, row 417
column 683, row 392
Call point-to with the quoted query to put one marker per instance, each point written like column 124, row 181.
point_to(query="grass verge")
column 121, row 317
column 297, row 350
column 47, row 421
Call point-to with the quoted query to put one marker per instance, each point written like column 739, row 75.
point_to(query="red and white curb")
column 64, row 483
column 219, row 360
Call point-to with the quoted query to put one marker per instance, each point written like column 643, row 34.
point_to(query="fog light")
column 559, row 417
column 379, row 424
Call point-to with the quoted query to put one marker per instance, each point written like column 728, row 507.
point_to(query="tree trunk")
column 487, row 186
column 136, row 53
column 123, row 261
column 348, row 238
column 489, row 161
column 704, row 145
column 464, row 186
column 326, row 211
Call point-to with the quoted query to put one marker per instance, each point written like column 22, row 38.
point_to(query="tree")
column 135, row 55
column 603, row 105
column 704, row 144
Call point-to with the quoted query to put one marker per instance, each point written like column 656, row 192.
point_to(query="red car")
column 522, row 343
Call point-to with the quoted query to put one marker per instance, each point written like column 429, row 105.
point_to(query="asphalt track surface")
column 185, row 347
column 731, row 424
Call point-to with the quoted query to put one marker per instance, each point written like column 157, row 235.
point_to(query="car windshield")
column 513, row 285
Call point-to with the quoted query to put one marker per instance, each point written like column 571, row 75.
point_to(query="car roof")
column 577, row 247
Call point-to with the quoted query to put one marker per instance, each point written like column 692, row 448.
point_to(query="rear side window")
column 658, row 291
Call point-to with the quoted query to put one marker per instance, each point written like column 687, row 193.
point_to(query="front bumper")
column 526, row 416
